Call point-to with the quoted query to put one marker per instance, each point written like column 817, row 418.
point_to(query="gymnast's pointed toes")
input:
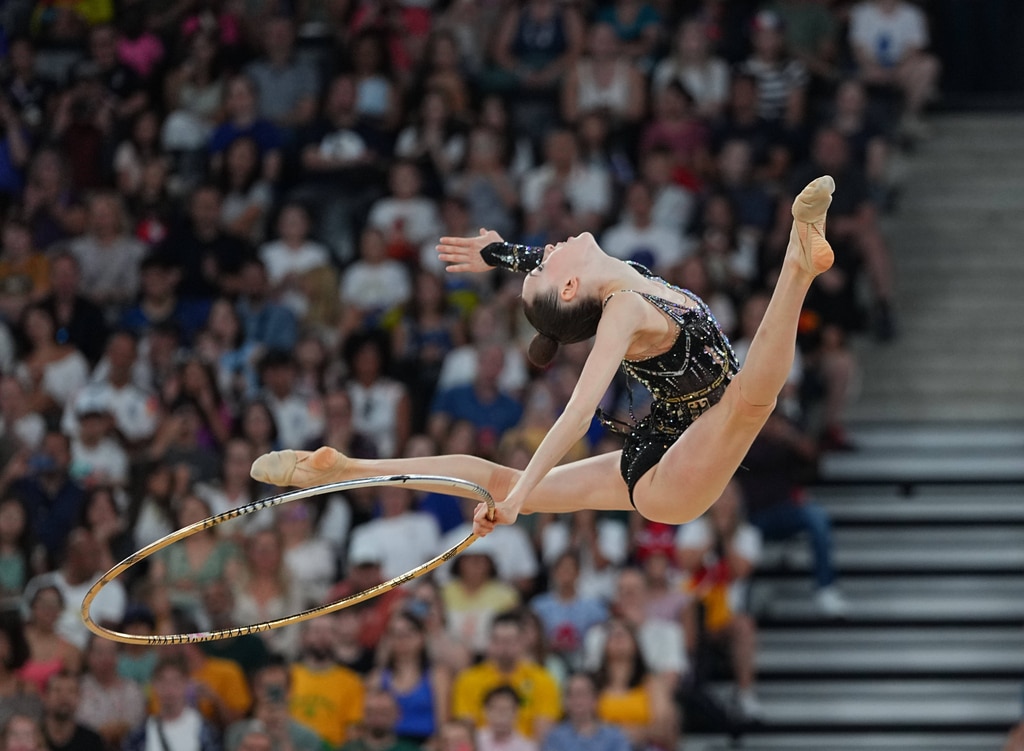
column 275, row 468
column 813, row 202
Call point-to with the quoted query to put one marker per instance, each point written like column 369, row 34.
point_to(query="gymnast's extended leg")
column 707, row 455
column 594, row 482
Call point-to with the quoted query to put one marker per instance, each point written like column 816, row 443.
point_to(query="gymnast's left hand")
column 505, row 512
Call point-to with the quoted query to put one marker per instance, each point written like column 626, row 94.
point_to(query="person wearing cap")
column 135, row 411
column 96, row 457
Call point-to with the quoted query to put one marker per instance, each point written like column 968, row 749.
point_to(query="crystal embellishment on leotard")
column 512, row 256
column 684, row 381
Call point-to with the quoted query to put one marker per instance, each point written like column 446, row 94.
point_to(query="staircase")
column 928, row 513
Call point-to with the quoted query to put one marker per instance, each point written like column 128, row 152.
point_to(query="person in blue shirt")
column 581, row 730
column 481, row 403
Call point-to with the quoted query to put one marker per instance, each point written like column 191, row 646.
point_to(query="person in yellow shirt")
column 506, row 665
column 325, row 697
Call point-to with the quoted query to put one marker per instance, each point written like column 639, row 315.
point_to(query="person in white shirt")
column 407, row 217
column 501, row 715
column 96, row 457
column 73, row 579
column 888, row 39
column 289, row 258
column 135, row 412
column 637, row 238
column 299, row 420
column 404, row 538
column 692, row 65
column 588, row 188
column 375, row 283
column 176, row 724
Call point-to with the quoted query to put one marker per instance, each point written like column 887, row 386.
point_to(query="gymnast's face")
column 562, row 262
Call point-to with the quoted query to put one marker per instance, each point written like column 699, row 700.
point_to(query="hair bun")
column 542, row 350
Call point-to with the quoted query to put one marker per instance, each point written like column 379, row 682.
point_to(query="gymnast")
column 705, row 412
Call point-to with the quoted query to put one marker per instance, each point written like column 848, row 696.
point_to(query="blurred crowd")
column 218, row 231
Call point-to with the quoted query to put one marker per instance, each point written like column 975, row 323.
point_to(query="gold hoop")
column 438, row 481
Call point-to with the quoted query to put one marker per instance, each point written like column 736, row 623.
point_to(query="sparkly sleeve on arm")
column 522, row 258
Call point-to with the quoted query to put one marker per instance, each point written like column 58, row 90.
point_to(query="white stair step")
column 894, row 599
column 909, row 651
column 952, row 741
column 909, row 465
column 906, row 703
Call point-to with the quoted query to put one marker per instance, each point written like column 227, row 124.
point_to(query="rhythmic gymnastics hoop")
column 441, row 483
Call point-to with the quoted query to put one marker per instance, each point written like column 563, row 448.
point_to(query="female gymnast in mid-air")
column 705, row 411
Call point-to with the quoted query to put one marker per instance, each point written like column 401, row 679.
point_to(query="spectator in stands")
column 781, row 79
column 720, row 552
column 693, row 64
column 193, row 96
column 421, row 689
column 21, row 732
column 16, row 548
column 377, row 730
column 638, row 238
column 567, row 616
column 396, row 520
column 49, row 653
column 52, row 499
column 198, row 560
column 484, row 184
column 61, row 700
column 676, row 128
column 853, row 224
column 24, row 271
column 265, row 322
column 587, row 188
column 272, row 693
column 340, row 150
column 80, row 322
column 108, row 256
column 582, row 729
column 534, row 46
column 373, row 285
column 778, row 506
column 501, row 707
column 600, row 542
column 53, row 372
column 248, row 651
column 266, row 590
column 28, row 91
column 379, row 96
column 475, row 598
column 483, row 404
column 506, row 664
column 605, row 80
column 870, row 146
column 310, row 557
column 637, row 25
column 175, row 720
column 210, row 258
column 435, row 141
column 51, row 203
column 326, row 697
column 380, row 404
column 242, row 120
column 287, row 86
column 19, row 696
column 299, row 419
column 889, row 40
column 292, row 256
column 631, row 697
column 407, row 218
column 247, row 195
column 110, row 704
column 103, row 516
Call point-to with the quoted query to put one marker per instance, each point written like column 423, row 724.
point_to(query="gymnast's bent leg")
column 707, row 455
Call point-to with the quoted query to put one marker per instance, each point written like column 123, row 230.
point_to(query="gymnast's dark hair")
column 560, row 323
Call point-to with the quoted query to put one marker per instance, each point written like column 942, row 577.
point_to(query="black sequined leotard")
column 684, row 381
